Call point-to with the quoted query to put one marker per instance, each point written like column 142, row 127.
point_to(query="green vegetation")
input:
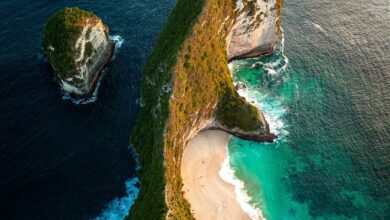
column 189, row 56
column 231, row 110
column 61, row 32
column 279, row 6
column 88, row 49
column 147, row 136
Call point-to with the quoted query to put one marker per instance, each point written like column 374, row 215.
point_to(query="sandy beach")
column 210, row 196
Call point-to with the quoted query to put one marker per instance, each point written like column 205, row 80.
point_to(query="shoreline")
column 207, row 181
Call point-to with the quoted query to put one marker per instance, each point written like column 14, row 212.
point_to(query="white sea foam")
column 118, row 208
column 93, row 98
column 285, row 58
column 317, row 26
column 275, row 66
column 271, row 107
column 118, row 40
column 273, row 112
column 227, row 174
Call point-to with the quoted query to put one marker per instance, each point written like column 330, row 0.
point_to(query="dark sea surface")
column 59, row 160
column 331, row 110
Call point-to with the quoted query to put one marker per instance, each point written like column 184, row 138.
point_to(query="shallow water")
column 59, row 160
column 331, row 110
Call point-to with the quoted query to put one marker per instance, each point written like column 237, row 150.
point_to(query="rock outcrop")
column 78, row 47
column 256, row 29
column 240, row 85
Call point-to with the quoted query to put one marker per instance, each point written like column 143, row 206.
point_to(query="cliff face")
column 187, row 87
column 256, row 30
column 77, row 45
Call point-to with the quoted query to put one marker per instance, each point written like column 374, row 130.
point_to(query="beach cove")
column 210, row 196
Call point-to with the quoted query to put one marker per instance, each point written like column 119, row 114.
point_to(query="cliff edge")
column 256, row 29
column 187, row 87
column 77, row 45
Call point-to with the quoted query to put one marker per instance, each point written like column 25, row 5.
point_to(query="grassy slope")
column 190, row 54
column 147, row 136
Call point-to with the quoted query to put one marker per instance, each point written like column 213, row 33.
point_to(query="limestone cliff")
column 256, row 30
column 187, row 87
column 77, row 45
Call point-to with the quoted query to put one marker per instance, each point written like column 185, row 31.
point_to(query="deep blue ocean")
column 326, row 92
column 59, row 160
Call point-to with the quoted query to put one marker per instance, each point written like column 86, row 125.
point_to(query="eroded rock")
column 78, row 47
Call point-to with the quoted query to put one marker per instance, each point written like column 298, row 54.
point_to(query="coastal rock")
column 240, row 85
column 256, row 29
column 78, row 47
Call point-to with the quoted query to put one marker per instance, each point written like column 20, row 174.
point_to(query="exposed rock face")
column 256, row 29
column 78, row 47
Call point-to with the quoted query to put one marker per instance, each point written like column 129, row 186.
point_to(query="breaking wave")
column 118, row 208
column 227, row 174
column 273, row 110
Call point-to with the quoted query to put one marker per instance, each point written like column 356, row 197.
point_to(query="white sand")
column 210, row 197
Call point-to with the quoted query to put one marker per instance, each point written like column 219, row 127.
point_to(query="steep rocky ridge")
column 77, row 45
column 187, row 87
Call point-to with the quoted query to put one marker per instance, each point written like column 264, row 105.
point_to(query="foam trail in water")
column 93, row 98
column 118, row 208
column 118, row 40
column 227, row 174
column 282, row 43
column 279, row 62
column 272, row 109
column 317, row 26
column 118, row 44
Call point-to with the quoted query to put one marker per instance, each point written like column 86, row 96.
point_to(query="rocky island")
column 78, row 47
column 187, row 87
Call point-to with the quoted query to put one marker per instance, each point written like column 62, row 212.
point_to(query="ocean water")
column 326, row 96
column 330, row 107
column 60, row 159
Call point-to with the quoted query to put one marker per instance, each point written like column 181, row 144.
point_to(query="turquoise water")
column 327, row 98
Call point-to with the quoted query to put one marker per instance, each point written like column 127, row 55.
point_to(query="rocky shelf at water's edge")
column 78, row 47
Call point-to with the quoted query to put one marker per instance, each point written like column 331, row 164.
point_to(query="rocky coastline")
column 257, row 135
column 97, row 73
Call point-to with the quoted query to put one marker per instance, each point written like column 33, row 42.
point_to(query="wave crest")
column 227, row 174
